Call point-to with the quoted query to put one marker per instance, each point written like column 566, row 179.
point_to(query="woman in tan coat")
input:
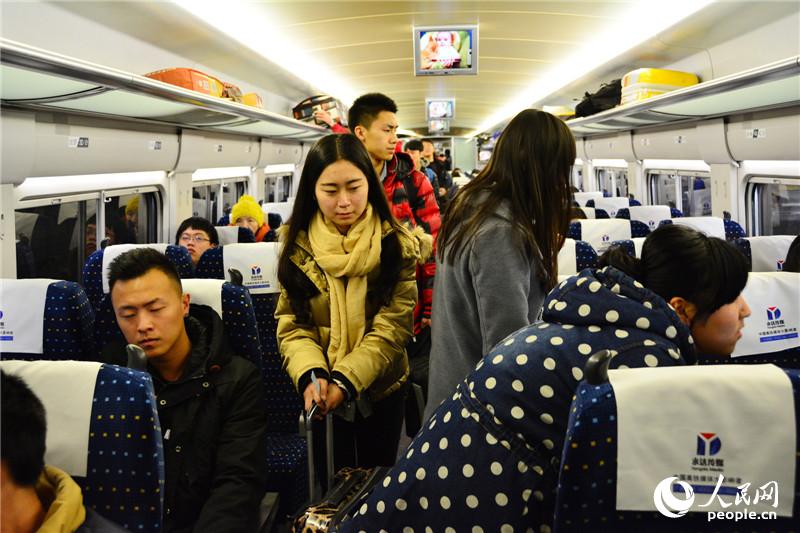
column 347, row 271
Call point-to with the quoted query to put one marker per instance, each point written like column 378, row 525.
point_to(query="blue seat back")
column 586, row 494
column 574, row 256
column 282, row 402
column 601, row 233
column 286, row 449
column 632, row 246
column 234, row 306
column 68, row 325
column 765, row 253
column 124, row 478
column 106, row 323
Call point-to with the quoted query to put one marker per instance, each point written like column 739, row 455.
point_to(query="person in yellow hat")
column 246, row 213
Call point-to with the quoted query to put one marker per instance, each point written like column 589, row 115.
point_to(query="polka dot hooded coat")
column 488, row 458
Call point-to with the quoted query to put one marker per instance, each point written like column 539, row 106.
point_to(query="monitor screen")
column 440, row 108
column 438, row 126
column 445, row 50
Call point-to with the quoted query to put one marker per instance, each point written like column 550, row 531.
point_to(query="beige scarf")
column 346, row 261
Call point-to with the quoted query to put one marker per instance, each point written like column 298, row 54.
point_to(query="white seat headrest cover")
column 567, row 259
column 711, row 226
column 774, row 301
column 112, row 252
column 66, row 389
column 703, row 421
column 204, row 292
column 769, row 252
column 22, row 303
column 258, row 263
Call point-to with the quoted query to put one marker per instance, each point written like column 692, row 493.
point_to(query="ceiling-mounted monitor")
column 445, row 50
column 438, row 126
column 440, row 108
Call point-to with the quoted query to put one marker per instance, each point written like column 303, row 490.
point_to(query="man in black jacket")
column 209, row 401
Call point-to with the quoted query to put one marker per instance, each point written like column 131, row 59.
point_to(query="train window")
column 204, row 200
column 612, row 181
column 132, row 217
column 774, row 206
column 54, row 240
column 231, row 192
column 577, row 176
column 277, row 188
column 688, row 191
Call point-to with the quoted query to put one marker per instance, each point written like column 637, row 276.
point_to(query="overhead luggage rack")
column 37, row 79
column 771, row 86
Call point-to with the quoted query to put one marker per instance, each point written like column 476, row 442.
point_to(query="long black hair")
column 329, row 150
column 530, row 169
column 680, row 261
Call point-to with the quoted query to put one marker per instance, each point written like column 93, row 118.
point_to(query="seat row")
column 76, row 323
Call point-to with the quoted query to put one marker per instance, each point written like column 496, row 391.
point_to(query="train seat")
column 234, row 306
column 633, row 246
column 95, row 283
column 591, row 212
column 711, row 226
column 574, row 256
column 610, row 205
column 103, row 430
column 45, row 319
column 651, row 215
column 234, row 234
column 600, row 233
column 614, row 461
column 284, row 209
column 286, row 449
column 766, row 253
column 583, row 197
column 770, row 333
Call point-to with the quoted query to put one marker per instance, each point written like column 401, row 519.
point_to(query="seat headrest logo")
column 780, row 264
column 606, row 238
column 708, row 444
column 651, row 223
column 255, row 270
column 1, row 314
column 666, row 502
column 773, row 313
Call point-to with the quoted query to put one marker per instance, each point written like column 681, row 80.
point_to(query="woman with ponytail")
column 348, row 290
column 497, row 440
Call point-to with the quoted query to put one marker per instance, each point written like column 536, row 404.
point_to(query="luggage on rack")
column 606, row 97
column 305, row 110
column 644, row 83
column 191, row 79
column 345, row 488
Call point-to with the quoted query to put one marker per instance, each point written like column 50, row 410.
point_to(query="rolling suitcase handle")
column 308, row 423
column 310, row 445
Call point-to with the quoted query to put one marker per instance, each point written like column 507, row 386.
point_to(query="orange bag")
column 191, row 79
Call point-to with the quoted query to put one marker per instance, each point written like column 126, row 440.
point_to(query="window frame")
column 754, row 185
column 650, row 179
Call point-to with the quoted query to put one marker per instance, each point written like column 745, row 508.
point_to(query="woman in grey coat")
column 498, row 245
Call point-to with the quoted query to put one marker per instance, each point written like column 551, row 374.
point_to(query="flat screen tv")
column 438, row 126
column 445, row 50
column 440, row 108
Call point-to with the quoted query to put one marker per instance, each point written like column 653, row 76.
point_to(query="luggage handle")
column 306, row 421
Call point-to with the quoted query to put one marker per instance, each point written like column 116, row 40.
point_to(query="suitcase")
column 644, row 83
column 345, row 488
column 305, row 110
column 191, row 79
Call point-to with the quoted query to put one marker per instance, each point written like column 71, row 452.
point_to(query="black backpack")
column 608, row 96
